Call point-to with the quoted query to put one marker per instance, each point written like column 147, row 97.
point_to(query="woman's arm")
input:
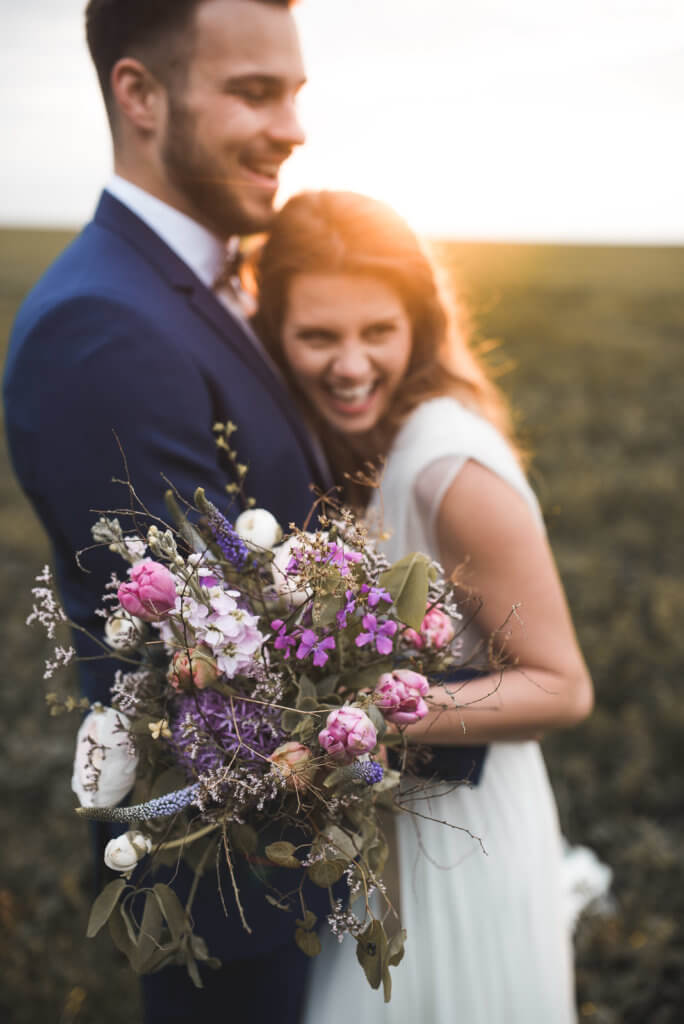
column 487, row 527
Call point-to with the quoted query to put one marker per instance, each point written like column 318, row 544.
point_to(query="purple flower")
column 341, row 558
column 375, row 595
column 284, row 640
column 369, row 772
column 228, row 540
column 207, row 731
column 381, row 634
column 309, row 642
column 349, row 607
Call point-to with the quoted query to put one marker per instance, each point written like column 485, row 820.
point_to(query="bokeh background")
column 540, row 147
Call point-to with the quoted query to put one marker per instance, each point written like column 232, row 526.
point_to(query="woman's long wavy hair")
column 348, row 233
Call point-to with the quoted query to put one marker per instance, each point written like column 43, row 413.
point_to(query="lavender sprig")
column 160, row 807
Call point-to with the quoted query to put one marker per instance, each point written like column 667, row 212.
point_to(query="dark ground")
column 591, row 342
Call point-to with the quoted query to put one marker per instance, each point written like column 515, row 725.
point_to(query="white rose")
column 122, row 631
column 104, row 763
column 258, row 527
column 124, row 852
column 286, row 583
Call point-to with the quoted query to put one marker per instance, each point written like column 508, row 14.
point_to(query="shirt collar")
column 203, row 252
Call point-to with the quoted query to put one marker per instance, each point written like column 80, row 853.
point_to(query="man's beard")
column 197, row 175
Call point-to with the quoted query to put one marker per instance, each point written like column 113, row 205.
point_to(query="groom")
column 125, row 343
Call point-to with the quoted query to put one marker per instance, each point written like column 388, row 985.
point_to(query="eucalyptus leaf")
column 371, row 952
column 282, row 854
column 327, row 685
column 366, row 678
column 326, row 872
column 343, row 844
column 378, row 719
column 103, row 906
column 377, row 854
column 308, row 921
column 121, row 939
column 290, row 720
column 150, row 931
column 408, row 582
column 325, row 608
column 395, row 950
column 279, row 905
column 244, row 838
column 305, row 729
column 308, row 941
column 193, row 970
column 307, row 688
column 172, row 909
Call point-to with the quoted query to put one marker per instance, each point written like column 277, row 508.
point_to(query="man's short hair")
column 157, row 32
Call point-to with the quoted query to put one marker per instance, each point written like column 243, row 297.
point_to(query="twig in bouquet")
column 443, row 821
column 236, row 891
column 186, row 840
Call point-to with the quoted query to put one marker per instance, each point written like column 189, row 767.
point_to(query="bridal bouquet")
column 262, row 678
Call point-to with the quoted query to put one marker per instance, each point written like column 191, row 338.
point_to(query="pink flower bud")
column 399, row 695
column 192, row 668
column 151, row 592
column 436, row 631
column 293, row 760
column 348, row 732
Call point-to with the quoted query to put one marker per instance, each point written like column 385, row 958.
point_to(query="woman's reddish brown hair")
column 348, row 233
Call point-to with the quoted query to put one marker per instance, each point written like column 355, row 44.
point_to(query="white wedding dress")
column 488, row 936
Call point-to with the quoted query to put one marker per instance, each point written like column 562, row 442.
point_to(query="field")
column 590, row 344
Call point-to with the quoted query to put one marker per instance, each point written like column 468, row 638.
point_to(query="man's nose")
column 286, row 128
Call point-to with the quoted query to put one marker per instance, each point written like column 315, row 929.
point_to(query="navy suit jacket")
column 120, row 337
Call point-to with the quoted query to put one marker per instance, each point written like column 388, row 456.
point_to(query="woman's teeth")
column 352, row 395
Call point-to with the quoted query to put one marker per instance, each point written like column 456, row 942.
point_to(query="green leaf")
column 193, row 970
column 371, row 952
column 150, row 931
column 308, row 941
column 366, row 678
column 307, row 688
column 282, row 854
column 103, row 906
column 172, row 909
column 407, row 581
column 121, row 938
column 395, row 950
column 328, row 685
column 276, row 903
column 308, row 921
column 378, row 719
column 290, row 720
column 244, row 838
column 325, row 608
column 326, row 872
column 344, row 844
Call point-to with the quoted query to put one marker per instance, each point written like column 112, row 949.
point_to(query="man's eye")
column 252, row 92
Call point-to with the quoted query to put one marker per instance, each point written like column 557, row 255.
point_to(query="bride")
column 350, row 310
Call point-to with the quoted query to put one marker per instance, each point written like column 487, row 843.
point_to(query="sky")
column 559, row 120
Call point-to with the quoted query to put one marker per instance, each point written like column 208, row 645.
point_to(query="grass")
column 591, row 342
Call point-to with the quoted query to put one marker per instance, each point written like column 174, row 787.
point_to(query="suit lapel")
column 117, row 217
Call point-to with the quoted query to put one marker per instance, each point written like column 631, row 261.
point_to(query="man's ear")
column 138, row 95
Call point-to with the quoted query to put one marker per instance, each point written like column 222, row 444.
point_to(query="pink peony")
column 436, row 631
column 399, row 695
column 293, row 760
column 151, row 592
column 348, row 732
column 192, row 668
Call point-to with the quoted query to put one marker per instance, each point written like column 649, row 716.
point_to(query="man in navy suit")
column 124, row 342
